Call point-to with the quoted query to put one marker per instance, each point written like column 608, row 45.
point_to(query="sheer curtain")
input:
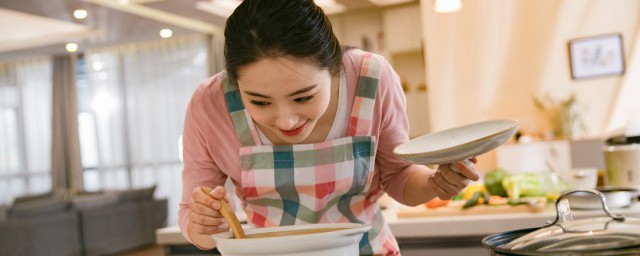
column 132, row 101
column 25, row 127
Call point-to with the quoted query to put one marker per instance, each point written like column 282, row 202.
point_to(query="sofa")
column 96, row 223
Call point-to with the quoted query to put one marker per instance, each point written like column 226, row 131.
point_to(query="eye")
column 260, row 103
column 304, row 99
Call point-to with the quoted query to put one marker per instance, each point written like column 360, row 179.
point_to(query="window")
column 25, row 128
column 131, row 105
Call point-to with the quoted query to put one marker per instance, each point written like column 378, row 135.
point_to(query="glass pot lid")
column 564, row 234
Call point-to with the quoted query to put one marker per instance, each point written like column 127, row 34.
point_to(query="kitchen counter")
column 485, row 224
column 450, row 235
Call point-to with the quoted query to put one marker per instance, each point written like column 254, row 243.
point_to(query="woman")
column 303, row 128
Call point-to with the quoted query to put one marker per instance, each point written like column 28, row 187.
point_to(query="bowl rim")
column 350, row 229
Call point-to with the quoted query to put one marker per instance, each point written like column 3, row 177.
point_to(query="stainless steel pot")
column 611, row 235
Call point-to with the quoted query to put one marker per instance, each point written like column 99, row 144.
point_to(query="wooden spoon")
column 228, row 215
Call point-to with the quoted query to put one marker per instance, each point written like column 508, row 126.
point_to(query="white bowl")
column 457, row 144
column 582, row 178
column 340, row 242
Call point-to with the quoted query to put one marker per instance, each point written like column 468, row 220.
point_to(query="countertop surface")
column 449, row 226
column 486, row 224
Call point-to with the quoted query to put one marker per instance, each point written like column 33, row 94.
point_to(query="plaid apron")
column 315, row 183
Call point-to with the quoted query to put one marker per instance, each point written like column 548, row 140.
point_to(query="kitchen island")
column 444, row 235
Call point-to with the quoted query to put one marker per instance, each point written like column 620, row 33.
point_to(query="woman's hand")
column 204, row 211
column 447, row 183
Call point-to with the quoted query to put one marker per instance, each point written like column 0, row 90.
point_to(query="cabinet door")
column 402, row 28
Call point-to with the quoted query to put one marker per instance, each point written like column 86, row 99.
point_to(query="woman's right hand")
column 204, row 211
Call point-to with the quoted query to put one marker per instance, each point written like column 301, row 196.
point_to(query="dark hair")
column 274, row 28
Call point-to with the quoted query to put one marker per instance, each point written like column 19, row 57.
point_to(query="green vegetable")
column 486, row 196
column 473, row 200
column 525, row 184
column 493, row 181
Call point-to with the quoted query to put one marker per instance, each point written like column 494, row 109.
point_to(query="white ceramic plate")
column 457, row 144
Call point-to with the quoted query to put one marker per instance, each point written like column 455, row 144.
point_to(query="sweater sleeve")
column 199, row 168
column 394, row 130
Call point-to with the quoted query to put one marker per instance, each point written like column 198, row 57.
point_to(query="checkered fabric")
column 315, row 183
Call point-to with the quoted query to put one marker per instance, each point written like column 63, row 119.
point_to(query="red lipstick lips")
column 295, row 131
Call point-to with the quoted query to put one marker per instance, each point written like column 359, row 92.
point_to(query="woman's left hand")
column 447, row 183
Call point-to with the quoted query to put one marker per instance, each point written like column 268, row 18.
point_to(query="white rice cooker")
column 622, row 158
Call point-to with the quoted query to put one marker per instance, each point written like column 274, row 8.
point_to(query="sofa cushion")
column 86, row 201
column 3, row 213
column 39, row 207
column 28, row 198
column 137, row 194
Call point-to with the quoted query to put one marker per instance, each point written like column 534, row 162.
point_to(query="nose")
column 286, row 119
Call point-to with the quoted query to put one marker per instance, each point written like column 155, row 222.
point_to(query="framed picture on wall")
column 596, row 56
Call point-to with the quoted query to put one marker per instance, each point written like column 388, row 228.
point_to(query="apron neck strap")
column 362, row 112
column 245, row 130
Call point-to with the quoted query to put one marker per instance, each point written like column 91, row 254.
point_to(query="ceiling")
column 20, row 21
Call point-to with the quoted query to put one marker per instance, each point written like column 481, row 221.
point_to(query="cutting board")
column 423, row 211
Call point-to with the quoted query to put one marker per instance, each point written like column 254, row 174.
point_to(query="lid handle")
column 603, row 200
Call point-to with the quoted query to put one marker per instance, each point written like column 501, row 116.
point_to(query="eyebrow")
column 303, row 90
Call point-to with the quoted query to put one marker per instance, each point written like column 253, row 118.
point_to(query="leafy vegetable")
column 493, row 181
column 525, row 184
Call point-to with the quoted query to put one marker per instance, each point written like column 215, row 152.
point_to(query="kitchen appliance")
column 622, row 159
column 610, row 235
column 342, row 240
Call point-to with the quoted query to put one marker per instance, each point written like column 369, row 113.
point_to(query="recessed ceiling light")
column 445, row 6
column 123, row 2
column 71, row 47
column 97, row 66
column 166, row 33
column 80, row 14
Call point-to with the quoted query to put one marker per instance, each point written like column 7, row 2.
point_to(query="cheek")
column 259, row 115
column 316, row 109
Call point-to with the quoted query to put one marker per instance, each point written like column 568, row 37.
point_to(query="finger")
column 208, row 230
column 201, row 195
column 218, row 192
column 439, row 191
column 454, row 178
column 449, row 189
column 205, row 220
column 449, row 186
column 468, row 171
column 203, row 209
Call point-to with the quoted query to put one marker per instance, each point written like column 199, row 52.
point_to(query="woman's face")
column 285, row 96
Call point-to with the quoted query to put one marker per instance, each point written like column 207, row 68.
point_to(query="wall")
column 488, row 60
column 496, row 55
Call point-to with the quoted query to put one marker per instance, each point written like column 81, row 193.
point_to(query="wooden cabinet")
column 402, row 29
